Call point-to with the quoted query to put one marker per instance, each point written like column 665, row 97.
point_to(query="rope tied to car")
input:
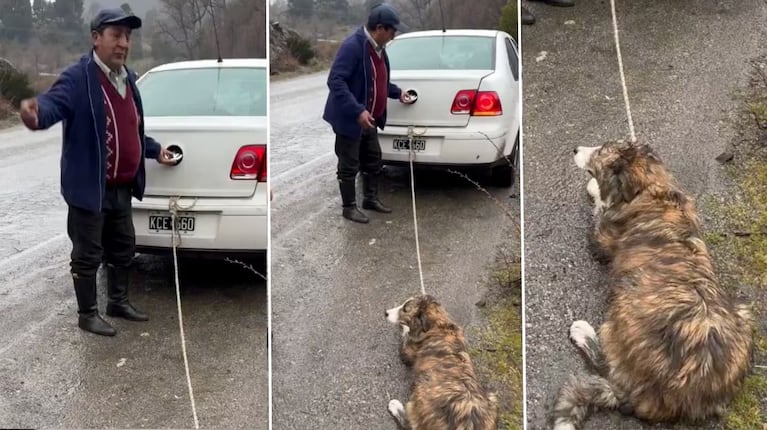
column 622, row 75
column 411, row 157
column 174, row 207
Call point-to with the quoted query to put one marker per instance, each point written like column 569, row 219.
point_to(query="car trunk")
column 209, row 146
column 436, row 91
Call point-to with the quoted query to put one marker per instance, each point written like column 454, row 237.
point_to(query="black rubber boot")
column 117, row 289
column 370, row 192
column 354, row 214
column 349, row 199
column 87, row 306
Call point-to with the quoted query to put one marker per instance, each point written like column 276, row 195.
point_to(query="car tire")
column 503, row 174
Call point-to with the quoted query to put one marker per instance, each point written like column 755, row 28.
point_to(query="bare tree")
column 429, row 14
column 93, row 9
column 249, row 18
column 185, row 23
column 415, row 12
column 240, row 30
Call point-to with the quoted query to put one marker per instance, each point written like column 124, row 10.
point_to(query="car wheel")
column 502, row 176
column 514, row 156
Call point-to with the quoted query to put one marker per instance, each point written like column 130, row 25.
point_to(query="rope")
column 174, row 207
column 623, row 77
column 410, row 134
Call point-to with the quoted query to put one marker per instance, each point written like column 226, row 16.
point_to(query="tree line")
column 322, row 18
column 44, row 36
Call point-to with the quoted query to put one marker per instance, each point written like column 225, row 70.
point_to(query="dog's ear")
column 425, row 326
column 423, row 312
column 625, row 182
column 646, row 151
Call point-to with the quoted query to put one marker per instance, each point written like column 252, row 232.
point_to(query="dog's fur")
column 445, row 392
column 674, row 346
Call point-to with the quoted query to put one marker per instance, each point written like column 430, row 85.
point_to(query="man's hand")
column 166, row 157
column 405, row 98
column 28, row 113
column 366, row 120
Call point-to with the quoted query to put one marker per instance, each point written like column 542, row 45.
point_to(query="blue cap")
column 115, row 16
column 384, row 14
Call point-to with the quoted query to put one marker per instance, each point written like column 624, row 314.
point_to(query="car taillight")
column 250, row 163
column 463, row 101
column 487, row 103
column 477, row 103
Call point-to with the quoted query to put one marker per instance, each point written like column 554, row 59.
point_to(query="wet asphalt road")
column 335, row 357
column 683, row 62
column 52, row 374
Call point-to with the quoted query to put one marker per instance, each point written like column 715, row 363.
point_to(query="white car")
column 466, row 112
column 214, row 115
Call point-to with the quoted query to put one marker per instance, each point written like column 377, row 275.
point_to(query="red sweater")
column 380, row 84
column 123, row 144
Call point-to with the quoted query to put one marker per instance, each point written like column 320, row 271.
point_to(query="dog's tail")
column 579, row 395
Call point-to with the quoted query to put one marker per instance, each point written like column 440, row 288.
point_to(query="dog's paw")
column 720, row 411
column 396, row 408
column 593, row 189
column 405, row 330
column 581, row 332
column 563, row 426
column 599, row 208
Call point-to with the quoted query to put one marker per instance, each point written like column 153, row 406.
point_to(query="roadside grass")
column 314, row 67
column 9, row 117
column 497, row 350
column 740, row 247
column 325, row 51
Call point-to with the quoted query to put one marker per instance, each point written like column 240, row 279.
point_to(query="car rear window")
column 205, row 92
column 442, row 53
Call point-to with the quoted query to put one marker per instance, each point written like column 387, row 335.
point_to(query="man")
column 359, row 86
column 529, row 19
column 102, row 163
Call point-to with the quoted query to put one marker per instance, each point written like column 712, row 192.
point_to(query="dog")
column 674, row 346
column 445, row 392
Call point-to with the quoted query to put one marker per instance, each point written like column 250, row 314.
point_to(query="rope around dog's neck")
column 410, row 133
column 174, row 207
column 620, row 70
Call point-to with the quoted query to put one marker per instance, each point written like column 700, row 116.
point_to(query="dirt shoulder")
column 737, row 236
column 497, row 347
column 315, row 67
column 9, row 122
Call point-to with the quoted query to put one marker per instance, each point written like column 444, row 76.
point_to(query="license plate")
column 403, row 144
column 164, row 223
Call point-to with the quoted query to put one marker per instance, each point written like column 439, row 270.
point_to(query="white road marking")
column 42, row 246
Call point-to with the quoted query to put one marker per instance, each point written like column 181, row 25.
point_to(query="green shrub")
column 301, row 49
column 508, row 22
column 6, row 110
column 15, row 86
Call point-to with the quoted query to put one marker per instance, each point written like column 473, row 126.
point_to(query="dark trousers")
column 106, row 236
column 358, row 155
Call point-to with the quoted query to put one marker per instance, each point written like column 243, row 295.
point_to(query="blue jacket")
column 77, row 100
column 349, row 81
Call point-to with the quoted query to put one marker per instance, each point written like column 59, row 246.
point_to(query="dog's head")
column 417, row 315
column 622, row 170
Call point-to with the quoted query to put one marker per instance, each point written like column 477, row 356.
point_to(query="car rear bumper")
column 257, row 254
column 221, row 226
column 449, row 147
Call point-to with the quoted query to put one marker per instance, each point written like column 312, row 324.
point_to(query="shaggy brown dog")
column 674, row 346
column 445, row 392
